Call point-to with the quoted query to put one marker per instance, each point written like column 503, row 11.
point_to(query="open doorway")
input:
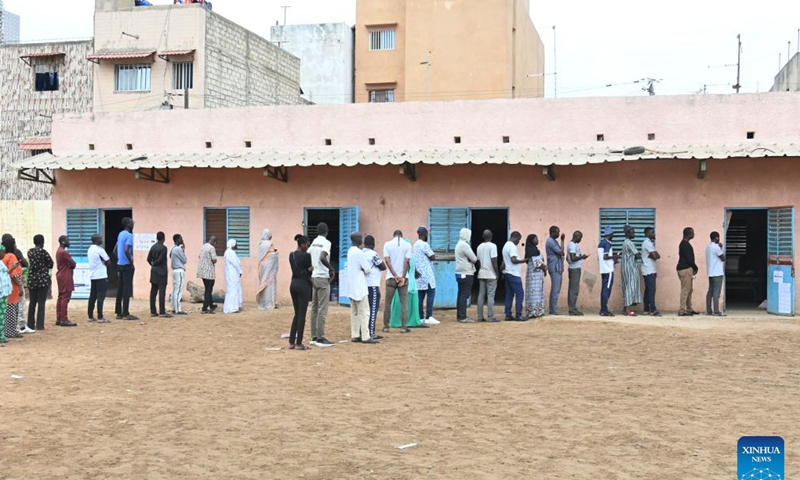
column 746, row 258
column 496, row 220
column 112, row 226
column 330, row 216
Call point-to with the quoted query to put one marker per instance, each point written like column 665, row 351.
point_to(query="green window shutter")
column 238, row 229
column 617, row 218
column 81, row 225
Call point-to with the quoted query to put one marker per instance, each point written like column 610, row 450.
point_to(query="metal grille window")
column 381, row 96
column 445, row 225
column 182, row 75
column 381, row 40
column 617, row 218
column 229, row 223
column 132, row 78
column 45, row 78
column 81, row 225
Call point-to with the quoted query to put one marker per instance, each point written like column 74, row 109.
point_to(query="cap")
column 608, row 231
column 422, row 230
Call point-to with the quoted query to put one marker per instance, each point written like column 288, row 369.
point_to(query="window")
column 39, row 152
column 46, row 78
column 381, row 96
column 81, row 225
column 381, row 39
column 132, row 78
column 229, row 223
column 617, row 218
column 182, row 75
column 445, row 225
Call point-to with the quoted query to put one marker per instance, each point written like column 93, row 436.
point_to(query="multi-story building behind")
column 415, row 50
column 9, row 26
column 145, row 56
column 326, row 59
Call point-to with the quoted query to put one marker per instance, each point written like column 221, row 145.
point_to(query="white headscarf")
column 267, row 235
column 465, row 235
column 231, row 243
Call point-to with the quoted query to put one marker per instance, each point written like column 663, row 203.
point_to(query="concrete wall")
column 326, row 59
column 244, row 69
column 27, row 218
column 788, row 79
column 160, row 28
column 26, row 113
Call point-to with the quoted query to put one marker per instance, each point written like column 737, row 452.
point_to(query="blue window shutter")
column 780, row 234
column 445, row 225
column 81, row 225
column 239, row 229
column 617, row 218
column 348, row 223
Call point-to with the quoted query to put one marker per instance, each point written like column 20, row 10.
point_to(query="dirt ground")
column 207, row 397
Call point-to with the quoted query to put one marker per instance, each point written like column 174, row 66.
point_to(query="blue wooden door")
column 348, row 223
column 445, row 224
column 780, row 261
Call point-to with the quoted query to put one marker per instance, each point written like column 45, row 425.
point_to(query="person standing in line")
column 12, row 264
column 687, row 269
column 575, row 260
column 178, row 257
column 321, row 278
column 300, row 289
column 98, row 274
column 66, row 285
column 487, row 276
column 649, row 271
column 397, row 256
column 233, row 280
column 358, row 268
column 512, row 271
column 465, row 274
column 631, row 286
column 534, row 279
column 123, row 251
column 267, row 294
column 157, row 259
column 23, row 262
column 207, row 272
column 607, row 259
column 377, row 266
column 715, row 266
column 426, row 280
column 39, row 283
column 555, row 266
column 5, row 290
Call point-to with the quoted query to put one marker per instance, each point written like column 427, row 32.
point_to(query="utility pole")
column 555, row 64
column 186, row 98
column 738, row 65
column 427, row 64
column 285, row 7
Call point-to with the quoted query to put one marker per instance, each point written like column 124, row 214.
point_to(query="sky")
column 690, row 46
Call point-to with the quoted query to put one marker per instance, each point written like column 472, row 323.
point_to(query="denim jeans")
column 605, row 293
column 714, row 290
column 555, row 288
column 514, row 289
column 426, row 312
column 650, row 293
column 464, row 292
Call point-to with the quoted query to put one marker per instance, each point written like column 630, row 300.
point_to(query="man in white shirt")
column 512, row 271
column 426, row 280
column 377, row 266
column 321, row 277
column 487, row 275
column 575, row 260
column 98, row 274
column 607, row 259
column 715, row 265
column 397, row 255
column 357, row 270
column 649, row 258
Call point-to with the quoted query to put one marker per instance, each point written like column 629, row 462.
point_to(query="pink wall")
column 567, row 123
column 389, row 201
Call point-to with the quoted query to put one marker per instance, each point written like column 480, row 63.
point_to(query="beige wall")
column 475, row 52
column 27, row 218
column 159, row 29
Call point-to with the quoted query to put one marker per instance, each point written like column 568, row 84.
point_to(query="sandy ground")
column 205, row 397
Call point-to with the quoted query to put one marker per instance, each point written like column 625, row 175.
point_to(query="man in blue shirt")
column 123, row 252
column 555, row 266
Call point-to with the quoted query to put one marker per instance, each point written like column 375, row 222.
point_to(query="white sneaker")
column 27, row 330
column 432, row 321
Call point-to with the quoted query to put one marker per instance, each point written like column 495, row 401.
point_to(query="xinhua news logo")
column 761, row 458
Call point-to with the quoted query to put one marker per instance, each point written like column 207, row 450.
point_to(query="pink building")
column 719, row 163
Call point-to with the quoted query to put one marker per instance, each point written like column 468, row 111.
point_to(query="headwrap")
column 531, row 250
column 231, row 243
column 465, row 234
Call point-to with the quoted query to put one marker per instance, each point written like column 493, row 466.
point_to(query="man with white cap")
column 426, row 281
column 607, row 258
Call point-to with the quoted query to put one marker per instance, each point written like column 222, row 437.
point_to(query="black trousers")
column 209, row 290
column 36, row 308
column 464, row 292
column 97, row 295
column 124, row 291
column 159, row 289
column 301, row 296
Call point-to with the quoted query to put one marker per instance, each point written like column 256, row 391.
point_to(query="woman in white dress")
column 233, row 280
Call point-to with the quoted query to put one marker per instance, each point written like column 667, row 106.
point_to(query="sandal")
column 385, row 329
column 631, row 314
column 405, row 330
column 301, row 347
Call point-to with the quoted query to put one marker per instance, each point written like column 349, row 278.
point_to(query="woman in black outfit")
column 300, row 261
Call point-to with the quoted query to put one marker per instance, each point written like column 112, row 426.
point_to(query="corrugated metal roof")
column 509, row 156
column 117, row 54
column 39, row 143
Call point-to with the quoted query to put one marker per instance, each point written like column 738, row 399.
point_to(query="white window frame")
column 132, row 77
column 182, row 75
column 383, row 39
column 375, row 95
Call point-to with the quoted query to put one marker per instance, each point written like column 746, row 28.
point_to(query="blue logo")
column 761, row 458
